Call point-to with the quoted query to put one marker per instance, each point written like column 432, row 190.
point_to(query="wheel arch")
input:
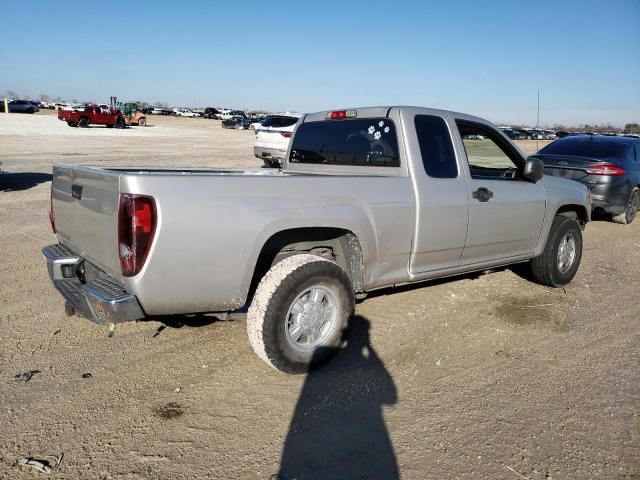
column 571, row 210
column 337, row 244
column 577, row 212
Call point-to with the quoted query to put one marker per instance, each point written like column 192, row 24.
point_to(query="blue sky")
column 485, row 58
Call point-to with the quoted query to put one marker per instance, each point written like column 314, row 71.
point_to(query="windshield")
column 586, row 148
column 362, row 142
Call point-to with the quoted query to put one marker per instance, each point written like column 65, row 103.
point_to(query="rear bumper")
column 611, row 197
column 102, row 300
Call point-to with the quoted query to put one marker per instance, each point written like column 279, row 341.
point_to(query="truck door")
column 506, row 211
column 442, row 205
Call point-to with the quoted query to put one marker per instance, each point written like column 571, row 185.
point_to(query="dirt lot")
column 474, row 377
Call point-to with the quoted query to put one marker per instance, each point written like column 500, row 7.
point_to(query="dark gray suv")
column 608, row 166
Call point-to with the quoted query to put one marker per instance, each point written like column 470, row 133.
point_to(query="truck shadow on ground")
column 180, row 321
column 13, row 182
column 338, row 429
column 440, row 281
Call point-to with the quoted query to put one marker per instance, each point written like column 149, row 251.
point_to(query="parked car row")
column 530, row 134
column 209, row 112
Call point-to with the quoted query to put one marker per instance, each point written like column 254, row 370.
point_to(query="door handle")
column 482, row 194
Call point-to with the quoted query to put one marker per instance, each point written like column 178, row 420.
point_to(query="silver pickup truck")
column 366, row 199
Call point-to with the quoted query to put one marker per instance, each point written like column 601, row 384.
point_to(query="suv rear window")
column 362, row 142
column 279, row 122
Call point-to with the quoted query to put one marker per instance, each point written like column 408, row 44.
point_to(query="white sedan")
column 184, row 112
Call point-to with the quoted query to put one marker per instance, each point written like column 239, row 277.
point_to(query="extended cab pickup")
column 366, row 199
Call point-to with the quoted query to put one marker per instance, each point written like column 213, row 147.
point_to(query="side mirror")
column 533, row 169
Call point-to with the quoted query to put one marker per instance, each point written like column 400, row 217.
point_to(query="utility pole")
column 538, row 120
column 538, row 116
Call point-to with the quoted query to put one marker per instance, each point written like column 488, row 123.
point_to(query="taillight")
column 607, row 170
column 52, row 217
column 286, row 134
column 136, row 228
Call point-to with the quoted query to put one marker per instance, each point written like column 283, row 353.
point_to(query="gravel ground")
column 483, row 376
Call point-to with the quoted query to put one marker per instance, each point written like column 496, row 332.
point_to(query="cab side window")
column 436, row 148
column 488, row 154
column 637, row 150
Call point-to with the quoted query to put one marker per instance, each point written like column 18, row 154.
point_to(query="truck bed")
column 212, row 224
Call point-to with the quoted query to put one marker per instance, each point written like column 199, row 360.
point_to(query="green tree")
column 632, row 128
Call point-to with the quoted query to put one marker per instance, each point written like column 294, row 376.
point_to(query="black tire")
column 271, row 163
column 120, row 123
column 633, row 205
column 546, row 268
column 269, row 318
column 83, row 122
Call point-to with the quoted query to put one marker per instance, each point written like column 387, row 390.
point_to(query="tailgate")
column 85, row 207
column 273, row 138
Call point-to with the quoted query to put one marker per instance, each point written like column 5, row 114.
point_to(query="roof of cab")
column 383, row 111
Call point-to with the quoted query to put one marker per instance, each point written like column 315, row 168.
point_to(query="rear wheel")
column 559, row 262
column 299, row 313
column 120, row 123
column 633, row 205
column 268, row 163
column 142, row 122
column 83, row 122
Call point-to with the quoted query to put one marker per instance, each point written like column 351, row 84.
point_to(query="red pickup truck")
column 93, row 114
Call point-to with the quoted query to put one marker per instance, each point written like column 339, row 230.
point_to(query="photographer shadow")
column 338, row 429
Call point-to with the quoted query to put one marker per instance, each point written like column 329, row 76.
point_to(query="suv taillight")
column 286, row 134
column 136, row 228
column 52, row 217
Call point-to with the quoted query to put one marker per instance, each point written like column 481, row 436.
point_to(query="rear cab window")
column 355, row 142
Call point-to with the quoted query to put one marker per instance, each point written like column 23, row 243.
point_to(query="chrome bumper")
column 102, row 300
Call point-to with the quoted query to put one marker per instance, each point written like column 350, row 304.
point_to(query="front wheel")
column 633, row 205
column 299, row 313
column 559, row 262
column 83, row 123
column 120, row 123
column 142, row 122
